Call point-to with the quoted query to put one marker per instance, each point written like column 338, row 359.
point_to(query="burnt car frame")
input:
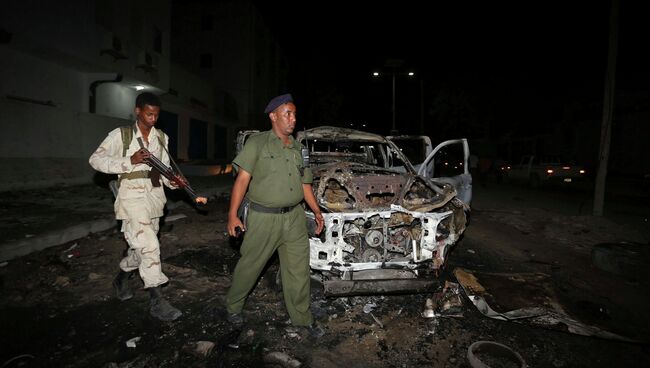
column 389, row 225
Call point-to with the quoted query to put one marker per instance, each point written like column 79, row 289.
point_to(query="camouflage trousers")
column 140, row 232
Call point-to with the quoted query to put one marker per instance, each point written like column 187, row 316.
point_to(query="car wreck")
column 389, row 225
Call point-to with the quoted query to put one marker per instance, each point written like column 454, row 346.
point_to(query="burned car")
column 388, row 226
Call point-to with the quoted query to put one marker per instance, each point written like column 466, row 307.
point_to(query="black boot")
column 121, row 286
column 160, row 307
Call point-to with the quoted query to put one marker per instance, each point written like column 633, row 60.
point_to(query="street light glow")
column 411, row 74
column 375, row 74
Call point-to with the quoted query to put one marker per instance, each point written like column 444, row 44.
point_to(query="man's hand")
column 320, row 222
column 202, row 200
column 140, row 156
column 233, row 223
column 178, row 182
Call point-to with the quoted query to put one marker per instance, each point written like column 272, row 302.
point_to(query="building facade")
column 71, row 70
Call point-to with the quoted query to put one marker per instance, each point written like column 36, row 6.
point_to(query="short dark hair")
column 147, row 98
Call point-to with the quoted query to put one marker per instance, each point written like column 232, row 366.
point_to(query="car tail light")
column 549, row 171
column 583, row 171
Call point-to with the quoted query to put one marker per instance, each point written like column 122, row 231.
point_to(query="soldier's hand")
column 140, row 156
column 202, row 200
column 179, row 181
column 233, row 223
column 320, row 222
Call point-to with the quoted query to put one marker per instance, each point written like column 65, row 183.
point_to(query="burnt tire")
column 629, row 260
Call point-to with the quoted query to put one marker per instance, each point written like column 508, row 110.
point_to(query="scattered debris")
column 175, row 217
column 446, row 303
column 283, row 359
column 381, row 325
column 201, row 349
column 530, row 299
column 62, row 281
column 130, row 343
column 428, row 309
column 73, row 246
column 485, row 354
column 471, row 251
column 369, row 307
column 432, row 325
column 94, row 276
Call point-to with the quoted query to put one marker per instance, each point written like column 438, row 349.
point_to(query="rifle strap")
column 127, row 136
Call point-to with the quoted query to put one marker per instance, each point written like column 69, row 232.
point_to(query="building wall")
column 45, row 145
column 56, row 52
column 27, row 77
column 245, row 68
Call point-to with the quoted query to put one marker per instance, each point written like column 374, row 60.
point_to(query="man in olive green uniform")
column 271, row 175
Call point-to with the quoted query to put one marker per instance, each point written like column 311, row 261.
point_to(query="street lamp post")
column 393, row 126
column 393, row 73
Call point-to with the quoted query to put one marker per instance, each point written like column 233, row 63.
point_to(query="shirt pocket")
column 267, row 162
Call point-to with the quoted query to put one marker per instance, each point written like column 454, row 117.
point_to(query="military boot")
column 160, row 307
column 121, row 286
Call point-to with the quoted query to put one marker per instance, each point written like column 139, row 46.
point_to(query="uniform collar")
column 138, row 133
column 274, row 138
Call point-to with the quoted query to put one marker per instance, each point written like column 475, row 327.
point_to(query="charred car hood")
column 356, row 187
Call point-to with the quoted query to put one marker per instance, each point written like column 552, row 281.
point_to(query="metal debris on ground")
column 381, row 325
column 175, row 217
column 130, row 343
column 446, row 303
column 282, row 359
column 482, row 354
column 535, row 301
column 203, row 348
column 369, row 307
column 432, row 326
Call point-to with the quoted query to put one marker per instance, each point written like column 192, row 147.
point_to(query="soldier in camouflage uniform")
column 140, row 201
column 272, row 176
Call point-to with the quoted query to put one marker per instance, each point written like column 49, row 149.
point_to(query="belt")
column 135, row 175
column 259, row 208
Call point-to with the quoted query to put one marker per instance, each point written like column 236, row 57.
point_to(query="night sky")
column 485, row 69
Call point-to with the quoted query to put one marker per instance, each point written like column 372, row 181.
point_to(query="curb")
column 10, row 251
column 23, row 247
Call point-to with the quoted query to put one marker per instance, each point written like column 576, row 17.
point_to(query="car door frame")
column 462, row 182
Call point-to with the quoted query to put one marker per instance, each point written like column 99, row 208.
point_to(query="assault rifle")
column 176, row 177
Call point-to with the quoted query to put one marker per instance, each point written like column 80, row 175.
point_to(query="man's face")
column 148, row 115
column 284, row 118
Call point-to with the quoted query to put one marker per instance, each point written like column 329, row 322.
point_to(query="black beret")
column 277, row 101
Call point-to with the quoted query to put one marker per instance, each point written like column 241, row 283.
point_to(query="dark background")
column 483, row 70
